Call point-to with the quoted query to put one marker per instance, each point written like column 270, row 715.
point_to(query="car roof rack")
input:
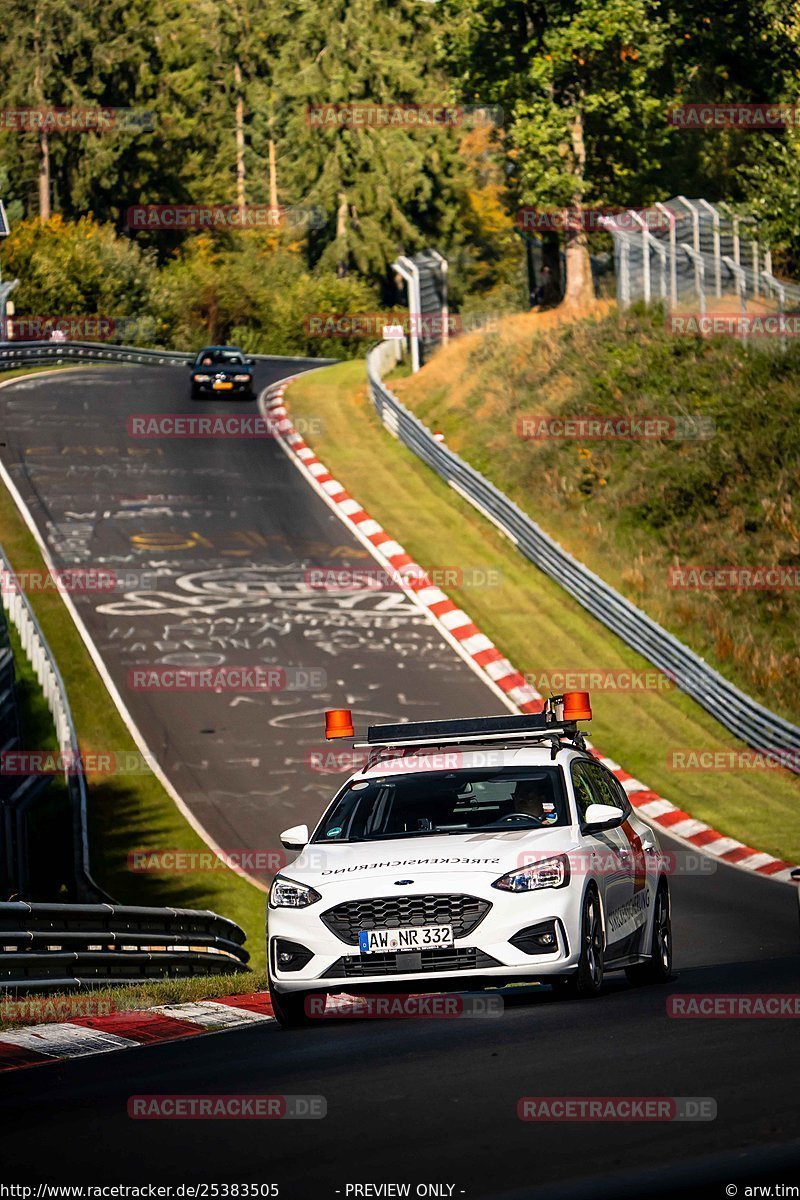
column 549, row 726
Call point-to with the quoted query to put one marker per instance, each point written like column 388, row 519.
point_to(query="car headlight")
column 285, row 893
column 546, row 873
column 241, row 378
column 202, row 378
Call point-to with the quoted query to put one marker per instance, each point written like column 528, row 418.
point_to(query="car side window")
column 624, row 800
column 584, row 794
column 607, row 789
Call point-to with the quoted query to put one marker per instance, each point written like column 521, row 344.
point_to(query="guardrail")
column 36, row 354
column 57, row 945
column 39, row 655
column 14, row 355
column 738, row 712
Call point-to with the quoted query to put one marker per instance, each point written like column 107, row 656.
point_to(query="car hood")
column 489, row 853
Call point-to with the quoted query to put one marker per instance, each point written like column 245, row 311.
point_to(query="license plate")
column 222, row 387
column 412, row 937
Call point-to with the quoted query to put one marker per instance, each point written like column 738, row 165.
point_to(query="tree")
column 576, row 77
column 383, row 189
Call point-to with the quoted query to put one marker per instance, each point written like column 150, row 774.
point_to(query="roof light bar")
column 557, row 720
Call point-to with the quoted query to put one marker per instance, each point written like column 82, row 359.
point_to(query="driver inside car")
column 527, row 798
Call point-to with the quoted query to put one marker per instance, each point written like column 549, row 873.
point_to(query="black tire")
column 195, row 395
column 587, row 981
column 289, row 1008
column 658, row 968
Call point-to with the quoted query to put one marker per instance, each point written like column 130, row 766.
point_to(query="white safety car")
column 469, row 853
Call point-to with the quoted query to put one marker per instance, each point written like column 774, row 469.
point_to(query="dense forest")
column 518, row 102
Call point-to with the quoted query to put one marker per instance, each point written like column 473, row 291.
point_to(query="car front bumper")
column 485, row 951
column 236, row 389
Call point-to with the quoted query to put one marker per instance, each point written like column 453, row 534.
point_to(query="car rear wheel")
column 658, row 967
column 588, row 979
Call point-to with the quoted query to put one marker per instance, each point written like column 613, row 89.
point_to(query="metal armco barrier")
column 38, row 653
column 752, row 722
column 17, row 355
column 14, row 355
column 53, row 945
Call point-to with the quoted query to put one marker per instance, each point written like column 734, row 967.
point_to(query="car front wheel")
column 587, row 981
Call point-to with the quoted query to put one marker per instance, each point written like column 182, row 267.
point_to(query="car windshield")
column 215, row 358
column 425, row 803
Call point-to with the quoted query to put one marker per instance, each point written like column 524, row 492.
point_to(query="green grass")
column 632, row 510
column 59, row 1006
column 535, row 623
column 133, row 811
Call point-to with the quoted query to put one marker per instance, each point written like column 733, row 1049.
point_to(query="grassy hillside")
column 535, row 623
column 632, row 510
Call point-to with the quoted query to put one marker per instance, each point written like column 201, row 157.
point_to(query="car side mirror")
column 190, row 365
column 602, row 816
column 295, row 838
column 251, row 362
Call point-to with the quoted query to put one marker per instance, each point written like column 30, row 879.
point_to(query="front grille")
column 347, row 920
column 416, row 962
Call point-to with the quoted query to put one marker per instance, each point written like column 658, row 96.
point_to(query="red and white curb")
column 79, row 1037
column 460, row 630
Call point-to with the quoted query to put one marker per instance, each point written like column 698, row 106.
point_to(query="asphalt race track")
column 224, row 532
column 435, row 1100
column 417, row 1101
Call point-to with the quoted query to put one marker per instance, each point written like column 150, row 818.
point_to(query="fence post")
column 624, row 273
column 755, row 266
column 673, row 257
column 645, row 255
column 699, row 275
column 717, row 248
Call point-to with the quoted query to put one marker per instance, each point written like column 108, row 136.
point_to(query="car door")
column 609, row 851
column 633, row 895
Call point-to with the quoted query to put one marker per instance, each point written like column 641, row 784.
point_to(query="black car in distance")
column 222, row 371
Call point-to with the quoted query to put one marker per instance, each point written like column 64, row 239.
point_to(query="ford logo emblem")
column 402, row 882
